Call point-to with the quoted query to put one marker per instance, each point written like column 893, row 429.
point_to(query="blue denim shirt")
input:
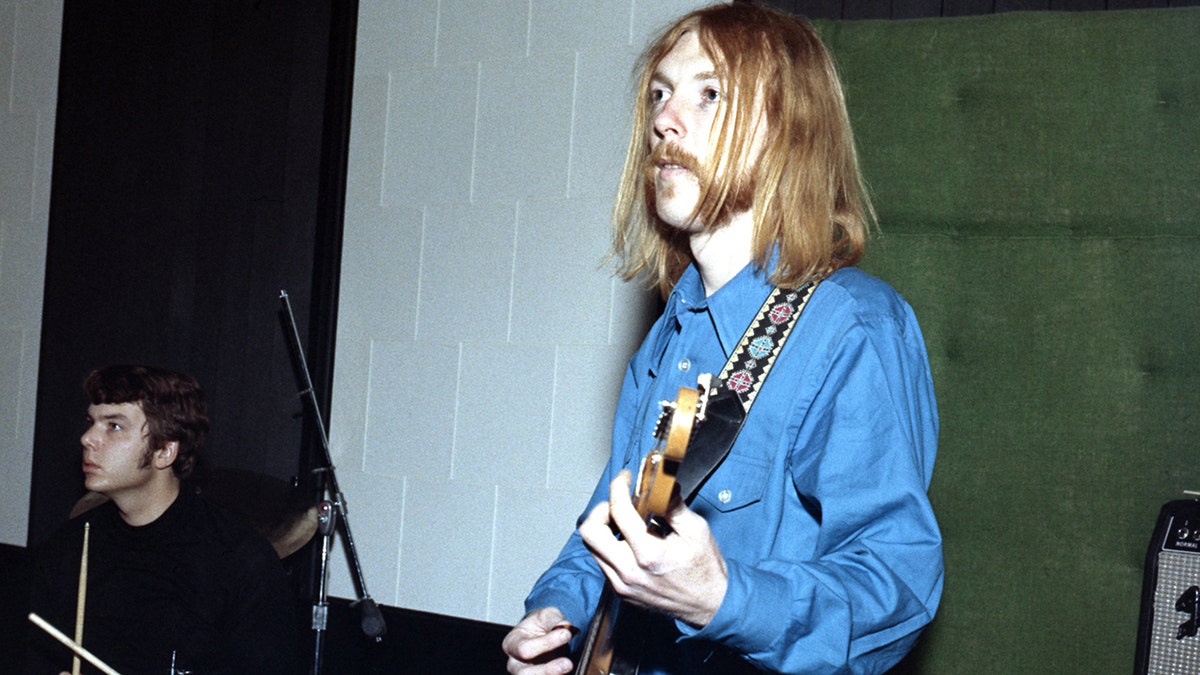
column 832, row 549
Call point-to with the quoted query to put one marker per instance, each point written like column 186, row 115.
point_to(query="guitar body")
column 611, row 646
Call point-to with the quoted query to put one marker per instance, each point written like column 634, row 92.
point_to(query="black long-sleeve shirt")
column 195, row 586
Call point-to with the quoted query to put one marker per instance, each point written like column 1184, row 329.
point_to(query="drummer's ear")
column 165, row 456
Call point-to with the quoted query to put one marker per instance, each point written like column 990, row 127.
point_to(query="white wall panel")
column 396, row 34
column 466, row 272
column 364, row 181
column 18, row 150
column 502, row 424
column 445, row 559
column 564, row 26
column 523, row 144
column 602, row 119
column 472, row 30
column 522, row 552
column 411, row 409
column 560, row 290
column 586, row 385
column 430, row 137
column 30, row 34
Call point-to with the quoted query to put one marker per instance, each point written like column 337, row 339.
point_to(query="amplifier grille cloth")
column 1169, row 656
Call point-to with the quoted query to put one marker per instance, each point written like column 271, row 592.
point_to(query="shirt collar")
column 732, row 307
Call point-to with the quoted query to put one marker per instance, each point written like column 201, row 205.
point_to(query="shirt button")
column 724, row 496
column 684, row 365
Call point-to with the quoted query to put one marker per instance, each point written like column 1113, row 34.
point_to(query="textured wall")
column 29, row 38
column 480, row 341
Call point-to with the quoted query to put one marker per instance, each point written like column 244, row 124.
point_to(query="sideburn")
column 740, row 197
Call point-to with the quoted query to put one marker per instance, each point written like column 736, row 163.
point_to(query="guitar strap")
column 739, row 384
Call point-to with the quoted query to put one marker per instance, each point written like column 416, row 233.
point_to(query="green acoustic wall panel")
column 1037, row 178
column 1028, row 122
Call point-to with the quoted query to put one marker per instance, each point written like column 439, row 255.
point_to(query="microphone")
column 372, row 619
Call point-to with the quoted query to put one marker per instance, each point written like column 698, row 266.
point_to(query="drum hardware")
column 330, row 514
column 174, row 670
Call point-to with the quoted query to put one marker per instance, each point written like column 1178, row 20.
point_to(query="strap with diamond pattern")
column 751, row 362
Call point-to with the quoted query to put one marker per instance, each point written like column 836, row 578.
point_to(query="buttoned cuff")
column 752, row 614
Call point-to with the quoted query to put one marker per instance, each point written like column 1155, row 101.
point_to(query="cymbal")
column 268, row 504
column 289, row 537
column 87, row 502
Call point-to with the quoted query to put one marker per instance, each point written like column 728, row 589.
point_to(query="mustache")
column 669, row 153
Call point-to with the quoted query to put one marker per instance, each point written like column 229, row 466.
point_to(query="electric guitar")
column 609, row 647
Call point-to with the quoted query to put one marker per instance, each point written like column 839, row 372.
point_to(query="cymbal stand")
column 330, row 514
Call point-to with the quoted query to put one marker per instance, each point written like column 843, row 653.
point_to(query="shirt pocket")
column 739, row 482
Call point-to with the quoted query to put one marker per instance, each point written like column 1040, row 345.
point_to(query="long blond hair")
column 810, row 200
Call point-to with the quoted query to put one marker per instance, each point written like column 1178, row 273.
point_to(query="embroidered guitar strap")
column 739, row 383
column 751, row 361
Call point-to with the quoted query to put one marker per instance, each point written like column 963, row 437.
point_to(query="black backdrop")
column 198, row 170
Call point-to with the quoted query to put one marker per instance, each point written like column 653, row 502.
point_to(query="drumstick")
column 82, row 598
column 58, row 635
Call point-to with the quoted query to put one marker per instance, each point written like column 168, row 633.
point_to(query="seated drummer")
column 172, row 581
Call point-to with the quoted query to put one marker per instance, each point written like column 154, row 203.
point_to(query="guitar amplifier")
column 1169, row 627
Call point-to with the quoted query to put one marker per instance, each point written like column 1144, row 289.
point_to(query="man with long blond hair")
column 812, row 548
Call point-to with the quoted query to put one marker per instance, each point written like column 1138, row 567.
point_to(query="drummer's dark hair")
column 173, row 403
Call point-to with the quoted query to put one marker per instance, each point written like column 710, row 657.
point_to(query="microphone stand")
column 329, row 515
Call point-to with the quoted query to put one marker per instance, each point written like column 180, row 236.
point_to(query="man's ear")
column 165, row 456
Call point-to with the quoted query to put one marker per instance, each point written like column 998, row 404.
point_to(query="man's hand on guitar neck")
column 538, row 644
column 681, row 574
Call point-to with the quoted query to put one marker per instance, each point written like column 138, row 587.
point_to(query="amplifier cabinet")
column 1169, row 626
